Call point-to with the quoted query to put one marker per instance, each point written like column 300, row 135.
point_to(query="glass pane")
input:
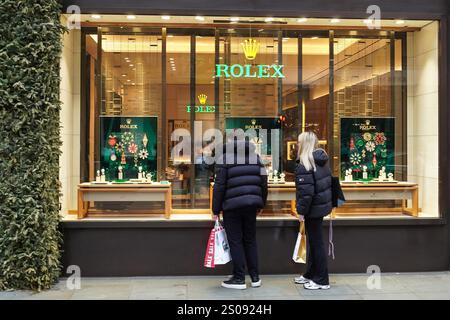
column 178, row 99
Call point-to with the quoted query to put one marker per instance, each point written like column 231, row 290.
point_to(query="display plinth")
column 356, row 191
column 122, row 192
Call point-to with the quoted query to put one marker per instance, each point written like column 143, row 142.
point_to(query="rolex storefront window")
column 155, row 98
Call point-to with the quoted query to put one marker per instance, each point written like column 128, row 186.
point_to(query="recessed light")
column 234, row 19
column 200, row 18
column 170, row 36
column 335, row 20
column 399, row 21
column 128, row 80
column 315, row 37
column 367, row 21
column 133, row 84
column 124, row 75
column 268, row 19
column 131, row 65
column 165, row 17
column 301, row 20
column 131, row 17
column 96, row 16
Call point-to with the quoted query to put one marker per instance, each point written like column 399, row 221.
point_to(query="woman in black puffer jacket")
column 240, row 192
column 314, row 202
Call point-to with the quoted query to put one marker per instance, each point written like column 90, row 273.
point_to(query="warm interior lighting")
column 315, row 37
column 234, row 19
column 165, row 17
column 302, row 20
column 200, row 18
column 96, row 16
column 269, row 19
column 399, row 21
column 335, row 20
column 131, row 17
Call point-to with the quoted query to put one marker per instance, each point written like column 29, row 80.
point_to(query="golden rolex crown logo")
column 202, row 98
column 367, row 122
column 253, row 122
column 251, row 47
column 128, row 121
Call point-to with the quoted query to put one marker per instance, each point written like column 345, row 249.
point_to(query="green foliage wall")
column 30, row 48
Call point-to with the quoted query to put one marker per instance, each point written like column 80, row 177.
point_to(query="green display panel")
column 367, row 142
column 246, row 123
column 129, row 142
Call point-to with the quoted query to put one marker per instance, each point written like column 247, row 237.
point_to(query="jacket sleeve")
column 304, row 184
column 220, row 186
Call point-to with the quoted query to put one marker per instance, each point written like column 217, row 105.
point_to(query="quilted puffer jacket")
column 239, row 183
column 313, row 189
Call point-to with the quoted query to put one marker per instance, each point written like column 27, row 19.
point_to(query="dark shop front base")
column 171, row 248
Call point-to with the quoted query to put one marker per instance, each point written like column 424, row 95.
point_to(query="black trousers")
column 240, row 226
column 316, row 260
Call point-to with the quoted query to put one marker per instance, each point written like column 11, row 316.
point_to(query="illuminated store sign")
column 250, row 47
column 202, row 108
column 249, row 71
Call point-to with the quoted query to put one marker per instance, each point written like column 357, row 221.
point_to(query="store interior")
column 157, row 74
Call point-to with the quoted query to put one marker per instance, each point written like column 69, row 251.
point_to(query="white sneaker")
column 314, row 286
column 301, row 280
column 256, row 282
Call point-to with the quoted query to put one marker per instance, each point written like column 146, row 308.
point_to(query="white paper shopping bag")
column 222, row 253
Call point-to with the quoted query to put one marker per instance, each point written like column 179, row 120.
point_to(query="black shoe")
column 234, row 283
column 256, row 281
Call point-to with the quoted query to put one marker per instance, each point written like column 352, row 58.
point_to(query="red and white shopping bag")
column 209, row 255
column 217, row 249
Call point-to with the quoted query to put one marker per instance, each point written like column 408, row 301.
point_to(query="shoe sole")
column 235, row 286
column 256, row 284
column 317, row 288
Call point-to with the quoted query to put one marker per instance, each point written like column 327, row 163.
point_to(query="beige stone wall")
column 70, row 119
column 423, row 116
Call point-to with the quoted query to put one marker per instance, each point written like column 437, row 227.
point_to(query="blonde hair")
column 307, row 143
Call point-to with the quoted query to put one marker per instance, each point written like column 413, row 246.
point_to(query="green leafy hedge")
column 30, row 48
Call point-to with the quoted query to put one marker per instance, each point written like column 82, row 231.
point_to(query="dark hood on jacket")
column 320, row 157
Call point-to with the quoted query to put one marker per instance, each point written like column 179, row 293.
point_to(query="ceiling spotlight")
column 268, row 19
column 399, row 21
column 234, row 19
column 131, row 17
column 200, row 18
column 301, row 20
column 335, row 20
column 128, row 80
column 131, row 65
column 165, row 17
column 96, row 16
column 124, row 75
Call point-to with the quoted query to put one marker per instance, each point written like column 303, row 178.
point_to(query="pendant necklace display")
column 113, row 156
column 145, row 140
column 123, row 160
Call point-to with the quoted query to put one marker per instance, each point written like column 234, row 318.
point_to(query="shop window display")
column 364, row 105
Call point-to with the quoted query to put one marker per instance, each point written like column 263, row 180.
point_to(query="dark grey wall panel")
column 288, row 8
column 137, row 249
